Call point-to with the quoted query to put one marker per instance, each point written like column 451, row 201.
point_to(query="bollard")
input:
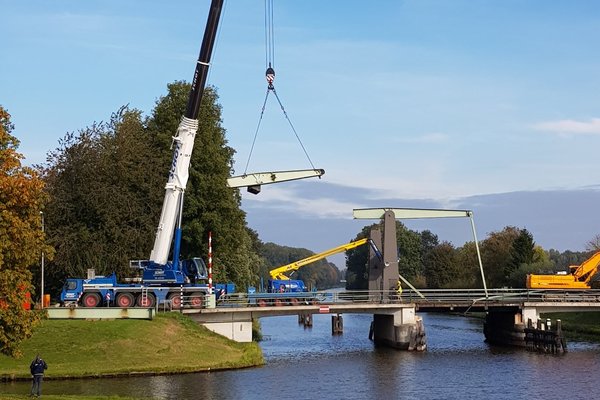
column 337, row 324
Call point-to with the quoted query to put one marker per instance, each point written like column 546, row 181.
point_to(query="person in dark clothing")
column 37, row 368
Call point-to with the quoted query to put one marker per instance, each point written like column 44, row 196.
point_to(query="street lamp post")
column 42, row 290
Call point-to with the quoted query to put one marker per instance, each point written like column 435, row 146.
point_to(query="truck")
column 161, row 279
column 282, row 290
column 578, row 276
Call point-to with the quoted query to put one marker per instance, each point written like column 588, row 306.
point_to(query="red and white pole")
column 210, row 291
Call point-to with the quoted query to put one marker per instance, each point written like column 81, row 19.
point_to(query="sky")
column 480, row 105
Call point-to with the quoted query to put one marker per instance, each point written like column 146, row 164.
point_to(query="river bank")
column 169, row 344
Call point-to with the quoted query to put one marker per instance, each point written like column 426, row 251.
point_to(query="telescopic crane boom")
column 279, row 273
column 183, row 143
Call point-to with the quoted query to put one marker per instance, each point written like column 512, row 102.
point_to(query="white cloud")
column 569, row 127
column 291, row 199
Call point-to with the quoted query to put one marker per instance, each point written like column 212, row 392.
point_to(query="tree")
column 593, row 244
column 470, row 274
column 21, row 239
column 496, row 255
column 104, row 198
column 441, row 266
column 522, row 252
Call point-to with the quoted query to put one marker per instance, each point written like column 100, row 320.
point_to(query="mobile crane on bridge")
column 578, row 277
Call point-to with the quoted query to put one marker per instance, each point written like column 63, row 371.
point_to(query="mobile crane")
column 281, row 289
column 162, row 279
column 579, row 276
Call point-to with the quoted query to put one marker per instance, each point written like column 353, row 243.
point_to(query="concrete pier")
column 518, row 329
column 403, row 330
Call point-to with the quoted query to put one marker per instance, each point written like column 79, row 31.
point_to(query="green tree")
column 441, row 266
column 522, row 252
column 105, row 190
column 21, row 240
column 496, row 255
column 470, row 272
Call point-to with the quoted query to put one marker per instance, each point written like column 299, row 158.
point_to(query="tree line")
column 101, row 191
column 508, row 256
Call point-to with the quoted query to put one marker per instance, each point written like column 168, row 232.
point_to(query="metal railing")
column 430, row 297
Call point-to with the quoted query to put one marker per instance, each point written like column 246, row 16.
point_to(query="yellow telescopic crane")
column 279, row 272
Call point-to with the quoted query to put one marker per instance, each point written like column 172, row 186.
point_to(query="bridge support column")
column 508, row 327
column 305, row 319
column 237, row 327
column 337, row 325
column 402, row 330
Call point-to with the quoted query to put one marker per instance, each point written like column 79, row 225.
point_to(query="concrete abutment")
column 403, row 330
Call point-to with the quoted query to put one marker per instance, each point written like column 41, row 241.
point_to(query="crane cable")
column 270, row 76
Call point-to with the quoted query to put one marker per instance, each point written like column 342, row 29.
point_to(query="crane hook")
column 270, row 74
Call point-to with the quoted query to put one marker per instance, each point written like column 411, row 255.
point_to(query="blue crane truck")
column 163, row 280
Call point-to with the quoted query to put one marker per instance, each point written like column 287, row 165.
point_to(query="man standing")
column 37, row 368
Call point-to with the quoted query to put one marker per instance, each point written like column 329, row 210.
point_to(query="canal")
column 310, row 363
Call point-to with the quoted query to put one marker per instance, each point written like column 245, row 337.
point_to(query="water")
column 312, row 364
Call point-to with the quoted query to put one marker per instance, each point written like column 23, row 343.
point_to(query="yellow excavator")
column 578, row 277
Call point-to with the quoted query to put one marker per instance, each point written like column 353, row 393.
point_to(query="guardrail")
column 429, row 297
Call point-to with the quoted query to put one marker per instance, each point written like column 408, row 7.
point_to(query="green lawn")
column 170, row 343
column 579, row 325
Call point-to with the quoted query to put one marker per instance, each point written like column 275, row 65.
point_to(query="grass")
column 170, row 343
column 579, row 325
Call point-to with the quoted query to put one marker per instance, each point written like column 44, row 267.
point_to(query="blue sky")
column 419, row 103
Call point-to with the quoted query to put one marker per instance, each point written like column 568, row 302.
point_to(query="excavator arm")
column 279, row 273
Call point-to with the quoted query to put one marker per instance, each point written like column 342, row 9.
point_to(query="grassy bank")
column 579, row 326
column 171, row 343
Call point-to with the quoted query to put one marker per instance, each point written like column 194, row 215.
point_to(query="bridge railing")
column 424, row 296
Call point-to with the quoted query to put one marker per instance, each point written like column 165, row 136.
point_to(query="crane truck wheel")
column 145, row 300
column 175, row 299
column 125, row 300
column 196, row 299
column 90, row 299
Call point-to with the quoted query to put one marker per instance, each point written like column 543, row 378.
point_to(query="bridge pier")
column 234, row 326
column 337, row 325
column 403, row 330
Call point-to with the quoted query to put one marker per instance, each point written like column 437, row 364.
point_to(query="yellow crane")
column 279, row 272
column 579, row 276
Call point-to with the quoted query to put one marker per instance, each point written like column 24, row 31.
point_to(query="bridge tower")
column 399, row 329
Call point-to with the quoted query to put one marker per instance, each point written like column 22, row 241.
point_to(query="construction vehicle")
column 161, row 279
column 282, row 290
column 578, row 276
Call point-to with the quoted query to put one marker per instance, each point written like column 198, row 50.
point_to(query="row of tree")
column 101, row 192
column 507, row 257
